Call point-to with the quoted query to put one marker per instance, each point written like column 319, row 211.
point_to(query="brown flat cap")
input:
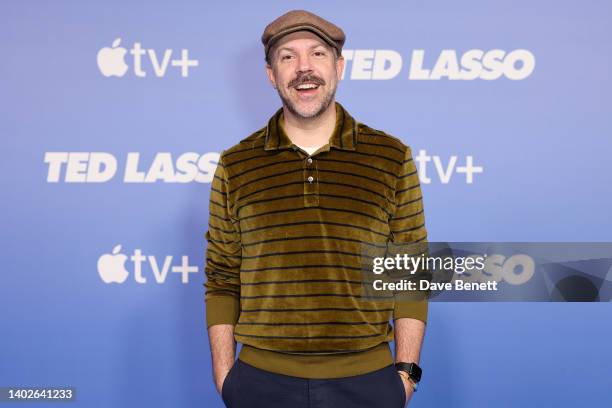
column 298, row 20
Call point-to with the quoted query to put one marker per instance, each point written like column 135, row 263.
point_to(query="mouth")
column 307, row 88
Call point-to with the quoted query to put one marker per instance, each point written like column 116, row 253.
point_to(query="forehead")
column 300, row 39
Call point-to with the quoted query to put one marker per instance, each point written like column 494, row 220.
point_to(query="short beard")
column 292, row 108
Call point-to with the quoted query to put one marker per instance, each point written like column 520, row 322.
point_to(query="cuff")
column 412, row 309
column 222, row 310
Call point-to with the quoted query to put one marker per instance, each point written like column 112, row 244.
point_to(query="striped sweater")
column 285, row 235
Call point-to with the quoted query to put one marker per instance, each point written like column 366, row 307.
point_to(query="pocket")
column 400, row 383
column 226, row 381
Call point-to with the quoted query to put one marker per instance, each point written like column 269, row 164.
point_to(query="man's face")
column 305, row 72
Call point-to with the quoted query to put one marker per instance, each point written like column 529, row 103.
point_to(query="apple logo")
column 112, row 267
column 111, row 60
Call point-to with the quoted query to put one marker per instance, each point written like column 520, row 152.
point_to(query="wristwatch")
column 412, row 369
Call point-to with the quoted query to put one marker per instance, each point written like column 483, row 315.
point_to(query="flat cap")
column 298, row 20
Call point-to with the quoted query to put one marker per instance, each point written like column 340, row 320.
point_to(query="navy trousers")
column 246, row 386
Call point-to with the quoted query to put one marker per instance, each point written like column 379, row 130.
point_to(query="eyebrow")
column 293, row 49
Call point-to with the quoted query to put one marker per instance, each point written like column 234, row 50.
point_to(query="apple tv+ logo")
column 111, row 60
column 111, row 267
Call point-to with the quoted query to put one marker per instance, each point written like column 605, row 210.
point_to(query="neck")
column 310, row 131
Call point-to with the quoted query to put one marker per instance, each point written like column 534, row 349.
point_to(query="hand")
column 219, row 379
column 407, row 387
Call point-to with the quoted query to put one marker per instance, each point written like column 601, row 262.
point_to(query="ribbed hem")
column 411, row 309
column 318, row 366
column 222, row 310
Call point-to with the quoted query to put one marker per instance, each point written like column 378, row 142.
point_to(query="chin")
column 309, row 110
column 308, row 113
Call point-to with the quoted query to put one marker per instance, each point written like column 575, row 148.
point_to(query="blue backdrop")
column 516, row 91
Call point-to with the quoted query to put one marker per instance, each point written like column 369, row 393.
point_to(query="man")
column 292, row 207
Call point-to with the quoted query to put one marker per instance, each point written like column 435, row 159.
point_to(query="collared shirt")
column 287, row 232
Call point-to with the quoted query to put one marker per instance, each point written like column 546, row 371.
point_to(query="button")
column 310, row 179
column 309, row 160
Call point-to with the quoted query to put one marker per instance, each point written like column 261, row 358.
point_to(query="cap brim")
column 293, row 29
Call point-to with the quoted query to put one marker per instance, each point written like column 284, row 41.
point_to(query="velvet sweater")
column 285, row 240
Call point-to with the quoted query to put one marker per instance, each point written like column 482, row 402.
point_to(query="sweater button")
column 309, row 160
column 310, row 179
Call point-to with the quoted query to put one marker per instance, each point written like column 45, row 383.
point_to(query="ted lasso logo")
column 112, row 267
column 448, row 64
column 100, row 167
column 111, row 60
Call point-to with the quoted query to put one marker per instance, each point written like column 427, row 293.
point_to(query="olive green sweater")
column 285, row 237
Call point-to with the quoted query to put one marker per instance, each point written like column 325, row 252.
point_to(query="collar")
column 344, row 136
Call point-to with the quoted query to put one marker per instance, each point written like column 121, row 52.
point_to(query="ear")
column 270, row 73
column 340, row 67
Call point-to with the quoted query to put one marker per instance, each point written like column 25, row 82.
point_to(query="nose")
column 303, row 65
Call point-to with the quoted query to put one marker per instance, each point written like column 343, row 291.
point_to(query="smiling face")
column 305, row 71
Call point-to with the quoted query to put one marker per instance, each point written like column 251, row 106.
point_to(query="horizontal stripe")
column 220, row 218
column 409, row 202
column 318, row 351
column 407, row 216
column 211, row 262
column 301, row 281
column 221, row 230
column 300, row 169
column 368, row 155
column 310, row 209
column 235, row 294
column 308, row 337
column 302, row 182
column 314, row 295
column 248, row 149
column 408, row 189
column 293, row 224
column 315, row 251
column 216, row 272
column 412, row 173
column 216, row 203
column 224, row 255
column 246, row 159
column 304, row 237
column 320, row 195
column 372, row 179
column 408, row 229
column 309, row 323
column 277, row 268
column 271, row 176
column 217, row 191
column 263, row 166
column 318, row 309
column 219, row 241
column 379, row 144
column 359, row 164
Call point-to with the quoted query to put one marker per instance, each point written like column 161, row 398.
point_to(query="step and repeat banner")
column 112, row 118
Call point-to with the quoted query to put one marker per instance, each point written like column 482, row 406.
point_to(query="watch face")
column 415, row 372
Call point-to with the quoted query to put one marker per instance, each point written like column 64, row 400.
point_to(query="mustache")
column 313, row 79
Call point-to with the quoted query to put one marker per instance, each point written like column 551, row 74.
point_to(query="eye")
column 285, row 57
column 319, row 53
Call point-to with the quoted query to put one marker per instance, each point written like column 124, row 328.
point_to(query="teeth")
column 306, row 86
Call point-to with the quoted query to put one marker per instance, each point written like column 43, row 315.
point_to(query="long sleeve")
column 223, row 256
column 407, row 225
